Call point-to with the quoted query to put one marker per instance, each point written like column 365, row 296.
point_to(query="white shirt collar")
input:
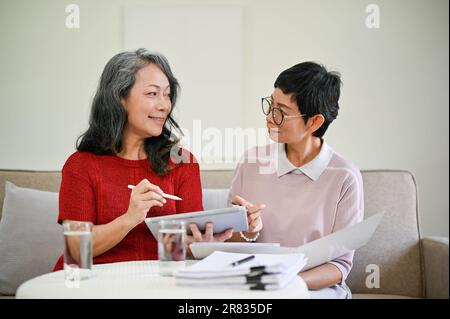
column 312, row 169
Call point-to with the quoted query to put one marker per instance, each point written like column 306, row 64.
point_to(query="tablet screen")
column 222, row 219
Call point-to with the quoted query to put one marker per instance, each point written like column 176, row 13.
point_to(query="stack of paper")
column 263, row 272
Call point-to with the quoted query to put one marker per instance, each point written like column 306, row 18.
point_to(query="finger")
column 209, row 232
column 151, row 196
column 165, row 239
column 253, row 217
column 228, row 234
column 195, row 232
column 168, row 238
column 169, row 246
column 254, row 214
column 224, row 235
column 240, row 201
column 142, row 186
column 189, row 239
column 254, row 225
column 150, row 203
column 145, row 186
column 255, row 209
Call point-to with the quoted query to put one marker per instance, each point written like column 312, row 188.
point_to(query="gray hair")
column 108, row 117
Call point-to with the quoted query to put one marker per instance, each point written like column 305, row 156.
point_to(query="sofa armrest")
column 435, row 253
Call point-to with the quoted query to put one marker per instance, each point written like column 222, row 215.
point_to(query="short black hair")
column 315, row 89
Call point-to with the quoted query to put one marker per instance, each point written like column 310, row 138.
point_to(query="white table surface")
column 140, row 280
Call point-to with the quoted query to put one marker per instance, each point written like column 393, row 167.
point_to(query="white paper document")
column 316, row 252
column 201, row 250
column 218, row 264
column 339, row 243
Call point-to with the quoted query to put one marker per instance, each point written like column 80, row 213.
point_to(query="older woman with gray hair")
column 130, row 141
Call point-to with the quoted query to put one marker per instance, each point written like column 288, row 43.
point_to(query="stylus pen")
column 242, row 260
column 163, row 195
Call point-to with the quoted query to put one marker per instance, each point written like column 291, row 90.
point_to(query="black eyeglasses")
column 278, row 115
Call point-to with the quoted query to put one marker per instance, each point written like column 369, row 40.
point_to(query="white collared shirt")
column 312, row 169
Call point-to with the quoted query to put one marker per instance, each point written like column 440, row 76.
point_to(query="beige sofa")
column 409, row 265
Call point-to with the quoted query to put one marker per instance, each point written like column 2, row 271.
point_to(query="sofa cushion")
column 45, row 181
column 395, row 247
column 30, row 238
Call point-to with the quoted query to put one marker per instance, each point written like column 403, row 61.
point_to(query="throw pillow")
column 31, row 240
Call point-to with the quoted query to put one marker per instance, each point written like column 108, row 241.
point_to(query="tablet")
column 234, row 217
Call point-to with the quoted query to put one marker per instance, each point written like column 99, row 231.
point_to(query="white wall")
column 207, row 53
column 394, row 104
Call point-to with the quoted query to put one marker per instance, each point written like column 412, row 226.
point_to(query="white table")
column 140, row 280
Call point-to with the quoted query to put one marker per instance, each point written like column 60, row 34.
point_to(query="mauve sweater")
column 302, row 204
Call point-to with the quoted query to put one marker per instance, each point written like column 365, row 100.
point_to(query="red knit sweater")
column 94, row 188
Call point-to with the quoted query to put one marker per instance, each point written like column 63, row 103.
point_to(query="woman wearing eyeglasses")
column 309, row 191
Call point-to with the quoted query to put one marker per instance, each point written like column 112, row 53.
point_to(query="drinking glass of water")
column 171, row 246
column 77, row 250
